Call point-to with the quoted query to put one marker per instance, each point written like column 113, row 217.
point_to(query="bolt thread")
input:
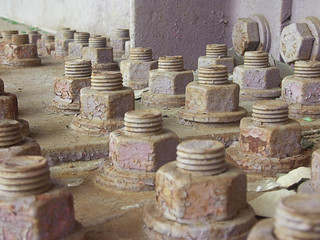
column 98, row 42
column 106, row 81
column 47, row 37
column 81, row 37
column 203, row 157
column 68, row 34
column 24, row 176
column 146, row 122
column 171, row 63
column 7, row 35
column 77, row 68
column 121, row 33
column 298, row 217
column 270, row 111
column 18, row 39
column 216, row 50
column 141, row 54
column 9, row 133
column 65, row 28
column 256, row 59
column 213, row 75
column 307, row 69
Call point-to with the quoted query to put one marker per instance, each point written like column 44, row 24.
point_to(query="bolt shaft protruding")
column 68, row 34
column 7, row 35
column 10, row 133
column 147, row 122
column 24, row 176
column 216, row 50
column 18, row 39
column 270, row 111
column 81, row 37
column 213, row 75
column 141, row 54
column 98, row 42
column 121, row 33
column 203, row 157
column 298, row 217
column 106, row 81
column 77, row 68
column 47, row 37
column 256, row 59
column 307, row 69
column 171, row 63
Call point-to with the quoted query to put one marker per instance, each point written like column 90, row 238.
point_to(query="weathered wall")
column 184, row 27
column 304, row 8
column 95, row 16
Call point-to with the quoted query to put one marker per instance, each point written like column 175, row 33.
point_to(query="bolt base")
column 163, row 100
column 263, row 230
column 135, row 85
column 251, row 163
column 95, row 126
column 298, row 111
column 213, row 117
column 158, row 227
column 27, row 62
column 307, row 187
column 247, row 95
column 65, row 107
column 127, row 180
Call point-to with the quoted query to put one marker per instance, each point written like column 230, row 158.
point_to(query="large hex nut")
column 314, row 27
column 296, row 42
column 161, row 82
column 257, row 78
column 98, row 55
column 305, row 92
column 144, row 153
column 75, row 49
column 245, row 35
column 61, row 47
column 69, row 89
column 118, row 43
column 102, row 105
column 270, row 140
column 204, row 62
column 207, row 98
column 186, row 198
column 136, row 73
column 45, row 216
column 21, row 51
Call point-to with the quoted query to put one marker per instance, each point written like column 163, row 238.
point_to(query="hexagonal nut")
column 8, row 106
column 161, row 82
column 315, row 169
column 28, row 147
column 207, row 98
column 21, row 51
column 245, row 35
column 75, row 50
column 257, row 78
column 306, row 92
column 185, row 197
column 314, row 27
column 270, row 140
column 98, row 55
column 69, row 89
column 296, row 42
column 33, row 38
column 61, row 46
column 137, row 71
column 144, row 153
column 106, row 105
column 204, row 62
column 119, row 43
column 49, row 215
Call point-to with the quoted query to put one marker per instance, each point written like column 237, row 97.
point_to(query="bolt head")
column 245, row 35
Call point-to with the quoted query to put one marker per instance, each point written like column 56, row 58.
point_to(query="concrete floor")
column 105, row 214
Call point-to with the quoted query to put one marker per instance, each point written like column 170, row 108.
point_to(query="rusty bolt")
column 245, row 35
column 296, row 42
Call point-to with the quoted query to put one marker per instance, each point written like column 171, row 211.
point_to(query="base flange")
column 27, row 62
column 298, row 111
column 163, row 100
column 95, row 126
column 159, row 228
column 65, row 107
column 251, row 163
column 259, row 94
column 213, row 117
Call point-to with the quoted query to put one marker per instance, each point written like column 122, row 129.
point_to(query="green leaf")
column 307, row 119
